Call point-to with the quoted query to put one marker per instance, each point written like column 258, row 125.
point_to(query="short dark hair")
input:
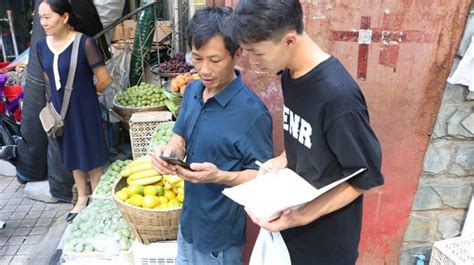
column 209, row 22
column 261, row 20
column 61, row 7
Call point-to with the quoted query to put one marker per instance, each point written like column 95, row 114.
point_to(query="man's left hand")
column 200, row 173
column 288, row 219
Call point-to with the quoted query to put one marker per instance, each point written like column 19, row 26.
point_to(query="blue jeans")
column 188, row 255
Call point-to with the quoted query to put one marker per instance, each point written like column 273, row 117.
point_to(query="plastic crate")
column 159, row 253
column 454, row 251
column 142, row 126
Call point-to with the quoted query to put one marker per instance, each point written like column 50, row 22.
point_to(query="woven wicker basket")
column 126, row 112
column 142, row 126
column 148, row 225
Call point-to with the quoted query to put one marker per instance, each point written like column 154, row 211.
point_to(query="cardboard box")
column 126, row 31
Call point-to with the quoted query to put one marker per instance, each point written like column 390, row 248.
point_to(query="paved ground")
column 27, row 222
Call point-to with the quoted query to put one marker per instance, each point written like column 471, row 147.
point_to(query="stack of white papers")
column 267, row 195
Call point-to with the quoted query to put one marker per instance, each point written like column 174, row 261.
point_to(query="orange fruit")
column 150, row 190
column 180, row 197
column 121, row 195
column 173, row 204
column 135, row 189
column 163, row 200
column 169, row 195
column 136, row 200
column 149, row 202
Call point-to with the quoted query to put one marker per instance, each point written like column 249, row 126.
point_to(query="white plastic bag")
column 464, row 73
column 118, row 67
column 109, row 10
column 270, row 249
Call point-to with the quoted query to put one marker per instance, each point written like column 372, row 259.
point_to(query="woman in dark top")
column 83, row 148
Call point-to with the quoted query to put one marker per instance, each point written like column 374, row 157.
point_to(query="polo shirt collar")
column 228, row 92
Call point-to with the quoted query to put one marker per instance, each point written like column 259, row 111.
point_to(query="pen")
column 262, row 166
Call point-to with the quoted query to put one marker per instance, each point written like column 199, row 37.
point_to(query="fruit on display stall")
column 177, row 64
column 144, row 95
column 101, row 228
column 106, row 183
column 149, row 189
column 148, row 95
column 161, row 135
column 178, row 84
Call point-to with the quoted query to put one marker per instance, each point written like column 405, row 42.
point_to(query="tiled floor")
column 27, row 222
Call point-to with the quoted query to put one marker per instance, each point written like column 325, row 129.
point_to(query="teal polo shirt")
column 232, row 130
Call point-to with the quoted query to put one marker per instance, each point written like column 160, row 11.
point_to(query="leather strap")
column 71, row 74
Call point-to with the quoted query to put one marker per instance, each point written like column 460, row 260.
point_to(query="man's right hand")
column 175, row 148
column 159, row 164
column 273, row 164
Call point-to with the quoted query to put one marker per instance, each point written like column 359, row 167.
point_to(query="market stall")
column 135, row 210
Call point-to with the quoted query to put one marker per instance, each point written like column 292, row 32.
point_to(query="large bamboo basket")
column 126, row 112
column 148, row 225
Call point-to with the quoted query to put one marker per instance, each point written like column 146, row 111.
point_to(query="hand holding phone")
column 175, row 161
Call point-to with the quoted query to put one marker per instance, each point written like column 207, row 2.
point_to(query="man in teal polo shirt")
column 222, row 129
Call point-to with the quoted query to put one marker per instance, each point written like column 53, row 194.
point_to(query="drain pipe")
column 4, row 51
column 12, row 30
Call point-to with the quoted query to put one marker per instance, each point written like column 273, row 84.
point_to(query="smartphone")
column 175, row 161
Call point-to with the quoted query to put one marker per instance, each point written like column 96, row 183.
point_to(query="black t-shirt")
column 328, row 136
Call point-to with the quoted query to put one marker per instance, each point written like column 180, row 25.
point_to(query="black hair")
column 209, row 22
column 266, row 20
column 61, row 7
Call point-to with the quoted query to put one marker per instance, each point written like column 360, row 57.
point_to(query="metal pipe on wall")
column 4, row 51
column 12, row 30
column 132, row 5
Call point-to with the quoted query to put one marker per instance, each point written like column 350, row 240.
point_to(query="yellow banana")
column 144, row 174
column 141, row 168
column 145, row 181
column 172, row 179
column 167, row 186
column 141, row 160
column 179, row 183
column 125, row 172
column 175, row 189
column 135, row 169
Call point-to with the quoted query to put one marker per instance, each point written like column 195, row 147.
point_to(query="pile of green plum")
column 161, row 135
column 99, row 228
column 106, row 183
column 143, row 95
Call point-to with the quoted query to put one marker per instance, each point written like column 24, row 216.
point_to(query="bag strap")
column 71, row 74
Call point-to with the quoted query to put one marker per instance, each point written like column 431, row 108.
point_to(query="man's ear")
column 238, row 53
column 290, row 38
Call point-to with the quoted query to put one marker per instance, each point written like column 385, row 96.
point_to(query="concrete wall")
column 445, row 187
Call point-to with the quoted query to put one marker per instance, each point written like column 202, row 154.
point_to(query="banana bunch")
column 175, row 184
column 169, row 181
column 148, row 188
column 140, row 172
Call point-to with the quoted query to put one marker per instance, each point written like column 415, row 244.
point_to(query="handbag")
column 51, row 120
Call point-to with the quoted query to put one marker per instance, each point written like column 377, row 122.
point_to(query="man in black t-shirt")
column 327, row 132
